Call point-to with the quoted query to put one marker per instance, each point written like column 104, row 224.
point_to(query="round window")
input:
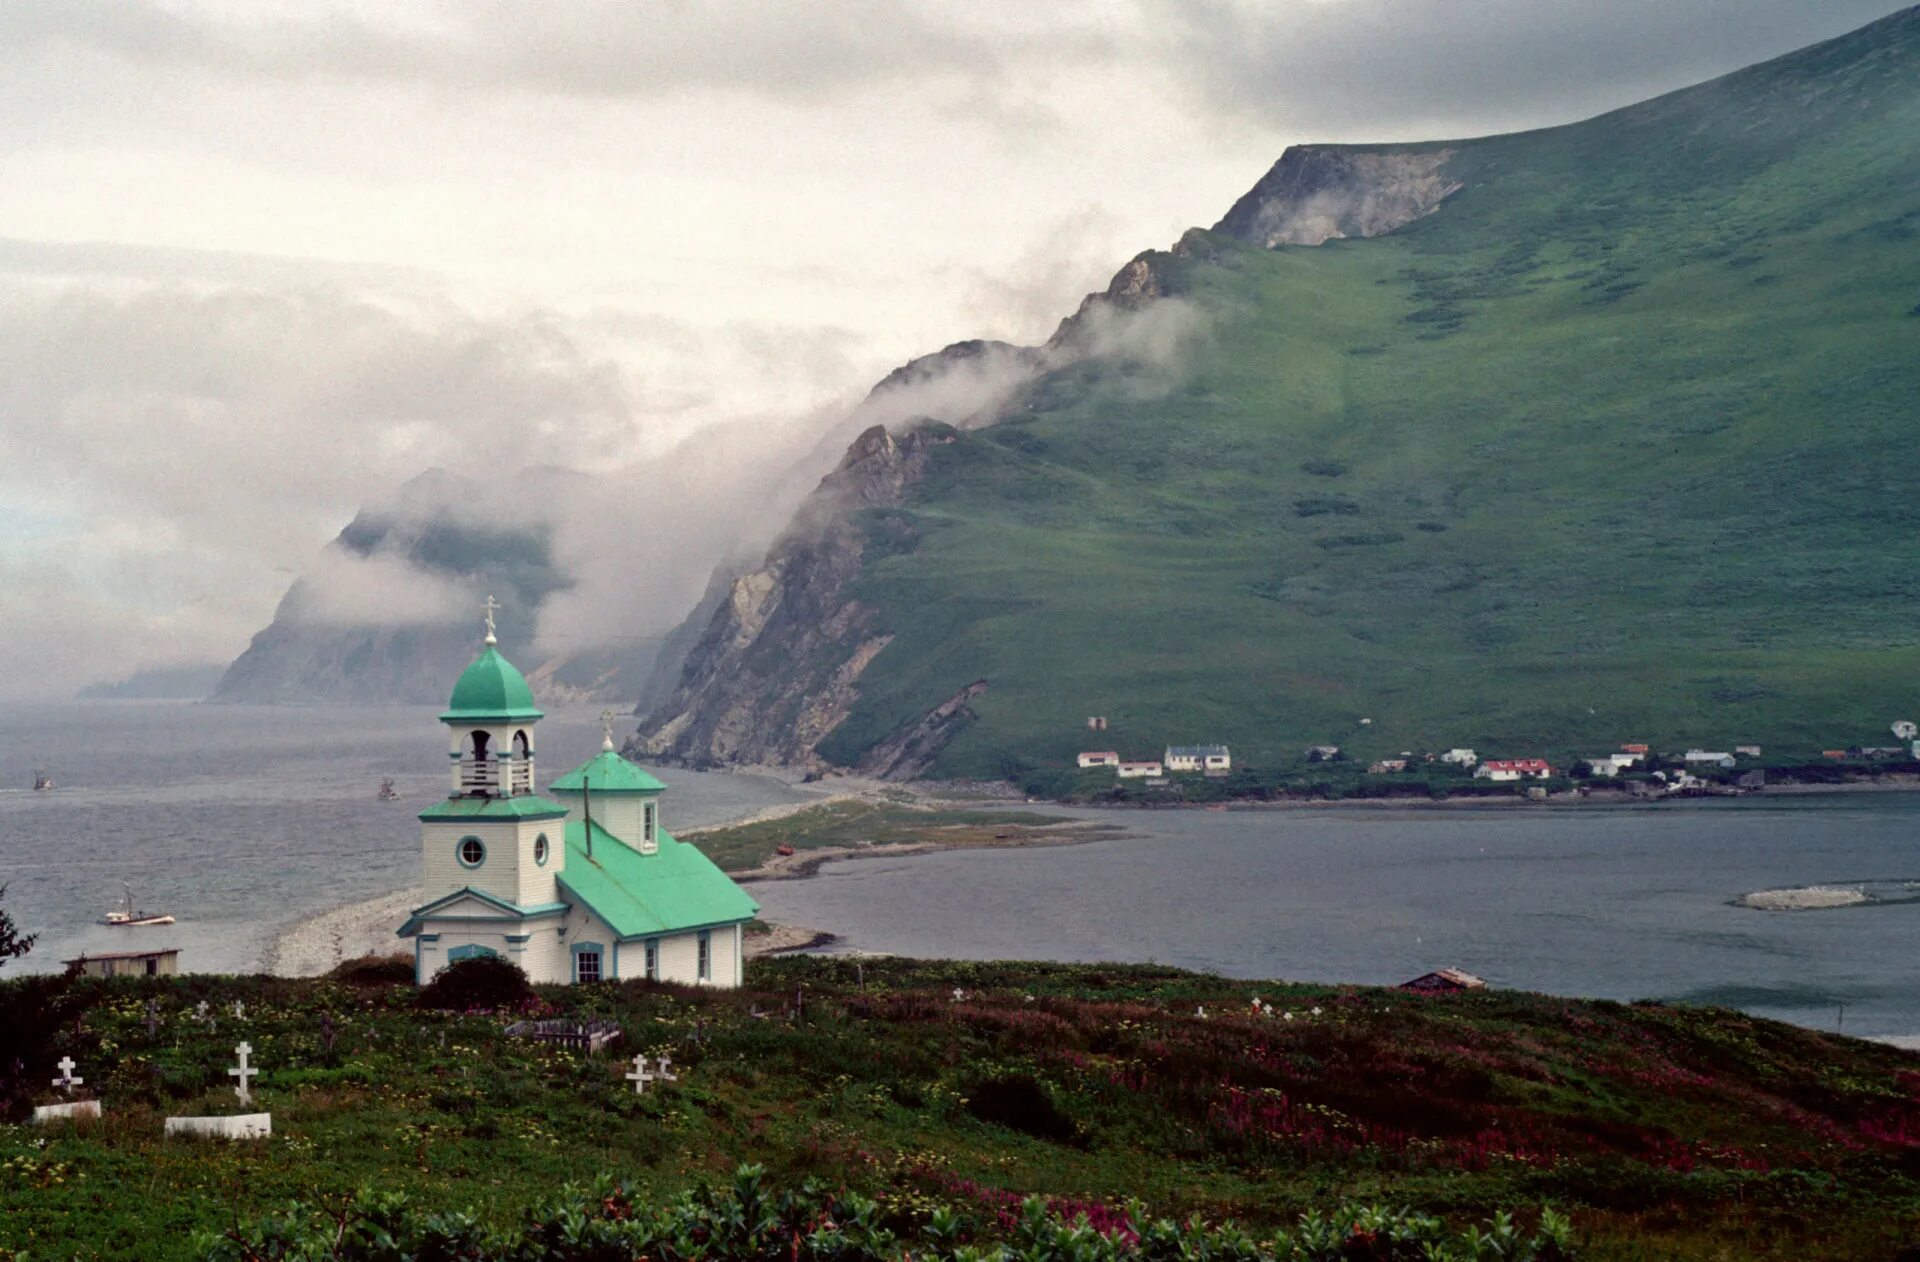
column 472, row 852
column 540, row 850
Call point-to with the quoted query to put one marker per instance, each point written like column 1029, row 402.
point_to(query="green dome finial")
column 490, row 690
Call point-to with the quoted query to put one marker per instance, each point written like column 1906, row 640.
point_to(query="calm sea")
column 1624, row 903
column 241, row 820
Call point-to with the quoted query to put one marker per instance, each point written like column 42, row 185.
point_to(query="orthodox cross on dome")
column 492, row 605
column 606, row 725
column 66, row 1081
column 243, row 1073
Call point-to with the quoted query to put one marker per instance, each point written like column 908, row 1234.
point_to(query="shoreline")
column 317, row 943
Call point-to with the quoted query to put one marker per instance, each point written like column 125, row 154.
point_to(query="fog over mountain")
column 259, row 266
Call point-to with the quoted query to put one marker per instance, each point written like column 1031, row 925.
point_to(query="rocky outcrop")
column 778, row 666
column 911, row 750
column 390, row 611
column 1317, row 193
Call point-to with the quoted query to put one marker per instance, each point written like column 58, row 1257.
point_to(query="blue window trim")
column 542, row 849
column 597, row 949
column 459, row 848
column 652, row 958
column 469, row 951
column 703, row 956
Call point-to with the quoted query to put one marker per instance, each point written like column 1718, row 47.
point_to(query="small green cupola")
column 620, row 796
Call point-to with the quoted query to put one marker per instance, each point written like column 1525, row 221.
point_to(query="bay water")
column 243, row 820
column 1614, row 902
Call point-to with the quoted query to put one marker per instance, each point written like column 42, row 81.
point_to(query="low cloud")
column 341, row 589
column 1354, row 70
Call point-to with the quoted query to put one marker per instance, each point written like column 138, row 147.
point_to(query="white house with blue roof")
column 580, row 887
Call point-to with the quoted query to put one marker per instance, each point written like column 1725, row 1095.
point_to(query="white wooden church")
column 584, row 886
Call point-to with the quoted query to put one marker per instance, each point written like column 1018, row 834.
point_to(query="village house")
column 1603, row 766
column 589, row 887
column 1198, row 758
column 164, row 962
column 1708, row 758
column 1445, row 980
column 1747, row 751
column 1642, row 750
column 1135, row 770
column 1460, row 757
column 1100, row 758
column 1322, row 753
column 1513, row 769
column 1386, row 766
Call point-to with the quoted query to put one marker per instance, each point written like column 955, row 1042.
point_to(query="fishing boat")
column 42, row 782
column 125, row 917
column 387, row 792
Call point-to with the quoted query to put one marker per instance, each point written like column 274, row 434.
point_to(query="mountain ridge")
column 1613, row 331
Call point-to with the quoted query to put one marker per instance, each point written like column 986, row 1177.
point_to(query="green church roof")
column 608, row 772
column 490, row 690
column 525, row 806
column 639, row 895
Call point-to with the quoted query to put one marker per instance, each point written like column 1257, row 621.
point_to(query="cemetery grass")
column 1662, row 1131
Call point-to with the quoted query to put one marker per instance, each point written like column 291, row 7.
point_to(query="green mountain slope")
column 1616, row 442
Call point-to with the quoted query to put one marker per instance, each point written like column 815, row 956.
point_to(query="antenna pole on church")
column 586, row 808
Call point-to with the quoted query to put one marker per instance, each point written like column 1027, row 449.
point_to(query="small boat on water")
column 125, row 917
column 42, row 782
column 387, row 792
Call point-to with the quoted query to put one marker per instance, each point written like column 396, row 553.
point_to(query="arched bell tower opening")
column 521, row 779
column 479, row 774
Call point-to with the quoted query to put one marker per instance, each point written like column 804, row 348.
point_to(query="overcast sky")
column 260, row 262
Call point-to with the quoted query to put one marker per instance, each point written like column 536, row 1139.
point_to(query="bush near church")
column 477, row 983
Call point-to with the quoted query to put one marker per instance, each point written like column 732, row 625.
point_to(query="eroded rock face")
column 1316, row 193
column 779, row 664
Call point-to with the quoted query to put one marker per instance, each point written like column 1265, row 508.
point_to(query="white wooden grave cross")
column 640, row 1076
column 239, row 1010
column 66, row 1081
column 243, row 1073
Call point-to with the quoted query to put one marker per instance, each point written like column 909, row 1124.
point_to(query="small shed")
column 1443, row 981
column 164, row 962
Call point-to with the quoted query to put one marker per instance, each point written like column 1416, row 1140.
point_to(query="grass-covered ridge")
column 962, row 1089
column 1616, row 445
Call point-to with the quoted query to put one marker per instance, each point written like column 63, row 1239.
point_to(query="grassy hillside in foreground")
column 1616, row 445
column 1663, row 1131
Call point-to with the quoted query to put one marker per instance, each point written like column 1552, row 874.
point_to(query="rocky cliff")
column 1316, row 193
column 778, row 666
column 389, row 613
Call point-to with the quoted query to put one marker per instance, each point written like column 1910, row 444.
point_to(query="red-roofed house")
column 1513, row 769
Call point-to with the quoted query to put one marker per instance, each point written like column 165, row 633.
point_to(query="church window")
column 540, row 850
column 653, row 959
column 586, row 966
column 706, row 956
column 471, row 851
column 648, row 822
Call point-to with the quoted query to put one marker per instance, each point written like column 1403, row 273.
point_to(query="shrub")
column 749, row 1221
column 374, row 970
column 480, row 981
column 1018, row 1103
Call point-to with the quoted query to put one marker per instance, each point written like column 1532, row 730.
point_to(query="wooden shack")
column 1443, row 981
column 164, row 962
